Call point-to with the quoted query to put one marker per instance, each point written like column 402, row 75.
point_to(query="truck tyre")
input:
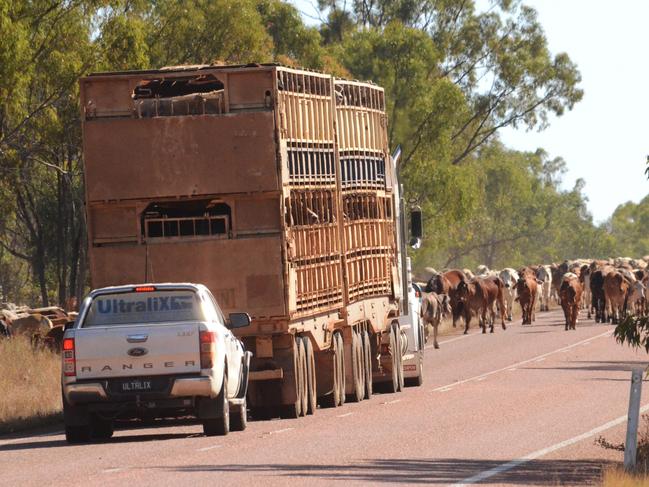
column 220, row 425
column 397, row 334
column 298, row 408
column 367, row 357
column 311, row 377
column 332, row 399
column 358, row 371
column 303, row 377
column 393, row 384
column 341, row 369
column 77, row 434
column 239, row 417
column 101, row 429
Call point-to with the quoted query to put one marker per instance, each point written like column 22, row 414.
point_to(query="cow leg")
column 435, row 344
column 467, row 321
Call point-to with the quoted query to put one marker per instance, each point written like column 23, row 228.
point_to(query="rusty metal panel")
column 114, row 224
column 107, row 97
column 118, row 264
column 250, row 89
column 257, row 215
column 179, row 156
column 243, row 274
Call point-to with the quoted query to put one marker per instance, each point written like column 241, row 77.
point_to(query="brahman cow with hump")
column 447, row 283
column 570, row 293
column 526, row 290
column 616, row 287
column 479, row 297
column 433, row 308
column 509, row 277
column 544, row 275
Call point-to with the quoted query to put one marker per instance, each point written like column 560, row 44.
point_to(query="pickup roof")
column 153, row 350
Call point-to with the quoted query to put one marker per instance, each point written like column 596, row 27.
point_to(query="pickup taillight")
column 207, row 348
column 69, row 361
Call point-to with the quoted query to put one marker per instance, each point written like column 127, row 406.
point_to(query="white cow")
column 509, row 277
column 544, row 275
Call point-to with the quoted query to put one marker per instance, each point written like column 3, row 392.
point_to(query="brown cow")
column 478, row 297
column 447, row 283
column 526, row 290
column 433, row 308
column 616, row 287
column 570, row 293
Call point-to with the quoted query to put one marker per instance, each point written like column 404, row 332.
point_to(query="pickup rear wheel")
column 219, row 425
column 239, row 417
column 77, row 434
column 102, row 429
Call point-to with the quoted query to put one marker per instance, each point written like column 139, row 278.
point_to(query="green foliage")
column 633, row 331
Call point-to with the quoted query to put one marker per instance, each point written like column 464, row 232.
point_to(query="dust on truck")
column 272, row 186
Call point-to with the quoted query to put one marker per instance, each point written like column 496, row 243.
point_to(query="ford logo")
column 137, row 352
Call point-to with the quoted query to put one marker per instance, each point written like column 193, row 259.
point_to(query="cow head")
column 463, row 291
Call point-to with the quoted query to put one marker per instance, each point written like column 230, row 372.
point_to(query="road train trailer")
column 275, row 188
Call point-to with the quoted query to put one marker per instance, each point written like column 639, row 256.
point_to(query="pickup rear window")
column 145, row 307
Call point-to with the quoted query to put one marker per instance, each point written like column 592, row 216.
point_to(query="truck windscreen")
column 139, row 308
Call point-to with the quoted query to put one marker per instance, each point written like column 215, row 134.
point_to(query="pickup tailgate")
column 142, row 350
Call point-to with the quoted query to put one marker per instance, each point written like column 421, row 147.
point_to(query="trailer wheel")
column 393, row 384
column 341, row 369
column 367, row 357
column 332, row 399
column 303, row 377
column 298, row 408
column 397, row 334
column 311, row 377
column 357, row 369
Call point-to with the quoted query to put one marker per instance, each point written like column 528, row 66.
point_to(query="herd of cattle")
column 609, row 289
column 43, row 326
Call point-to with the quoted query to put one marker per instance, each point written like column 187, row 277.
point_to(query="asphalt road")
column 518, row 407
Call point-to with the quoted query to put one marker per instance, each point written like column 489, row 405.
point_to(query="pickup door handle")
column 137, row 338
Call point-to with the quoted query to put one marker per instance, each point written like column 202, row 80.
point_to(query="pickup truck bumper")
column 85, row 392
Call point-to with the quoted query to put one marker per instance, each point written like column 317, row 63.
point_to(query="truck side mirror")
column 416, row 227
column 238, row 320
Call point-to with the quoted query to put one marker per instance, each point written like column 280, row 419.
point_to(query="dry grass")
column 617, row 477
column 30, row 381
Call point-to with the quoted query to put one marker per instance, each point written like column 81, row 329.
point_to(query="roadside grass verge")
column 617, row 477
column 30, row 383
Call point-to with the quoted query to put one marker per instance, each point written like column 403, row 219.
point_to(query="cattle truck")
column 272, row 186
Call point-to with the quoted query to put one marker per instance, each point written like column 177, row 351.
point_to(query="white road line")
column 450, row 340
column 284, row 430
column 391, row 402
column 518, row 364
column 209, row 448
column 114, row 470
column 345, row 415
column 540, row 360
column 544, row 451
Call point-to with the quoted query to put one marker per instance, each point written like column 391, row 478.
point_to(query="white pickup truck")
column 153, row 350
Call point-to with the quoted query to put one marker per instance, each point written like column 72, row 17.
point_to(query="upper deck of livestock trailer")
column 271, row 185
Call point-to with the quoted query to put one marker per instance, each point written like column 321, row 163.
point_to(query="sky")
column 605, row 138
